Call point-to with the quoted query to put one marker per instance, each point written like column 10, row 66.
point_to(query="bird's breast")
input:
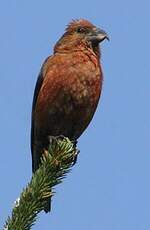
column 84, row 81
column 68, row 98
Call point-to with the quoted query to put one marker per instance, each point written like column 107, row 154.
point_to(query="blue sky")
column 109, row 188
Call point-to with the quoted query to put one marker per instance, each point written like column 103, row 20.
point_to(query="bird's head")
column 80, row 34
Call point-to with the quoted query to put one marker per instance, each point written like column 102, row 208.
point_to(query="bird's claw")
column 75, row 157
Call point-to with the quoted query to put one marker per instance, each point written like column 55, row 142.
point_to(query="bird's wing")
column 36, row 93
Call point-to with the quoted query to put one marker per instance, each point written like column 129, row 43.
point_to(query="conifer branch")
column 55, row 164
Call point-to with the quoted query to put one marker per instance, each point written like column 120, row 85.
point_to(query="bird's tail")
column 47, row 207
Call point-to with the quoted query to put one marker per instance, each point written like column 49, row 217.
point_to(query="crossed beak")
column 98, row 35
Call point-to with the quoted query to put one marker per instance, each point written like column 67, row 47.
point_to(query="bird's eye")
column 81, row 30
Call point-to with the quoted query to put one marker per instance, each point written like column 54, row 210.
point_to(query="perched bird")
column 68, row 88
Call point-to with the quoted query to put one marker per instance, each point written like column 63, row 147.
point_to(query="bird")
column 68, row 88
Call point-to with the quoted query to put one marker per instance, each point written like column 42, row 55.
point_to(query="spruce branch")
column 56, row 162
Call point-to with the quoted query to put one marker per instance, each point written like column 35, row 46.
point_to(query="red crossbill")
column 68, row 87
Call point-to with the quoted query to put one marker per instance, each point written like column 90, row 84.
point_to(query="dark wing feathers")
column 36, row 93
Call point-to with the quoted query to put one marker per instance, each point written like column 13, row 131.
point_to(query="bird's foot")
column 51, row 139
column 75, row 157
column 74, row 141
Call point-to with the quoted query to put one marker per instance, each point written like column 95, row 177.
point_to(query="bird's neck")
column 83, row 47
